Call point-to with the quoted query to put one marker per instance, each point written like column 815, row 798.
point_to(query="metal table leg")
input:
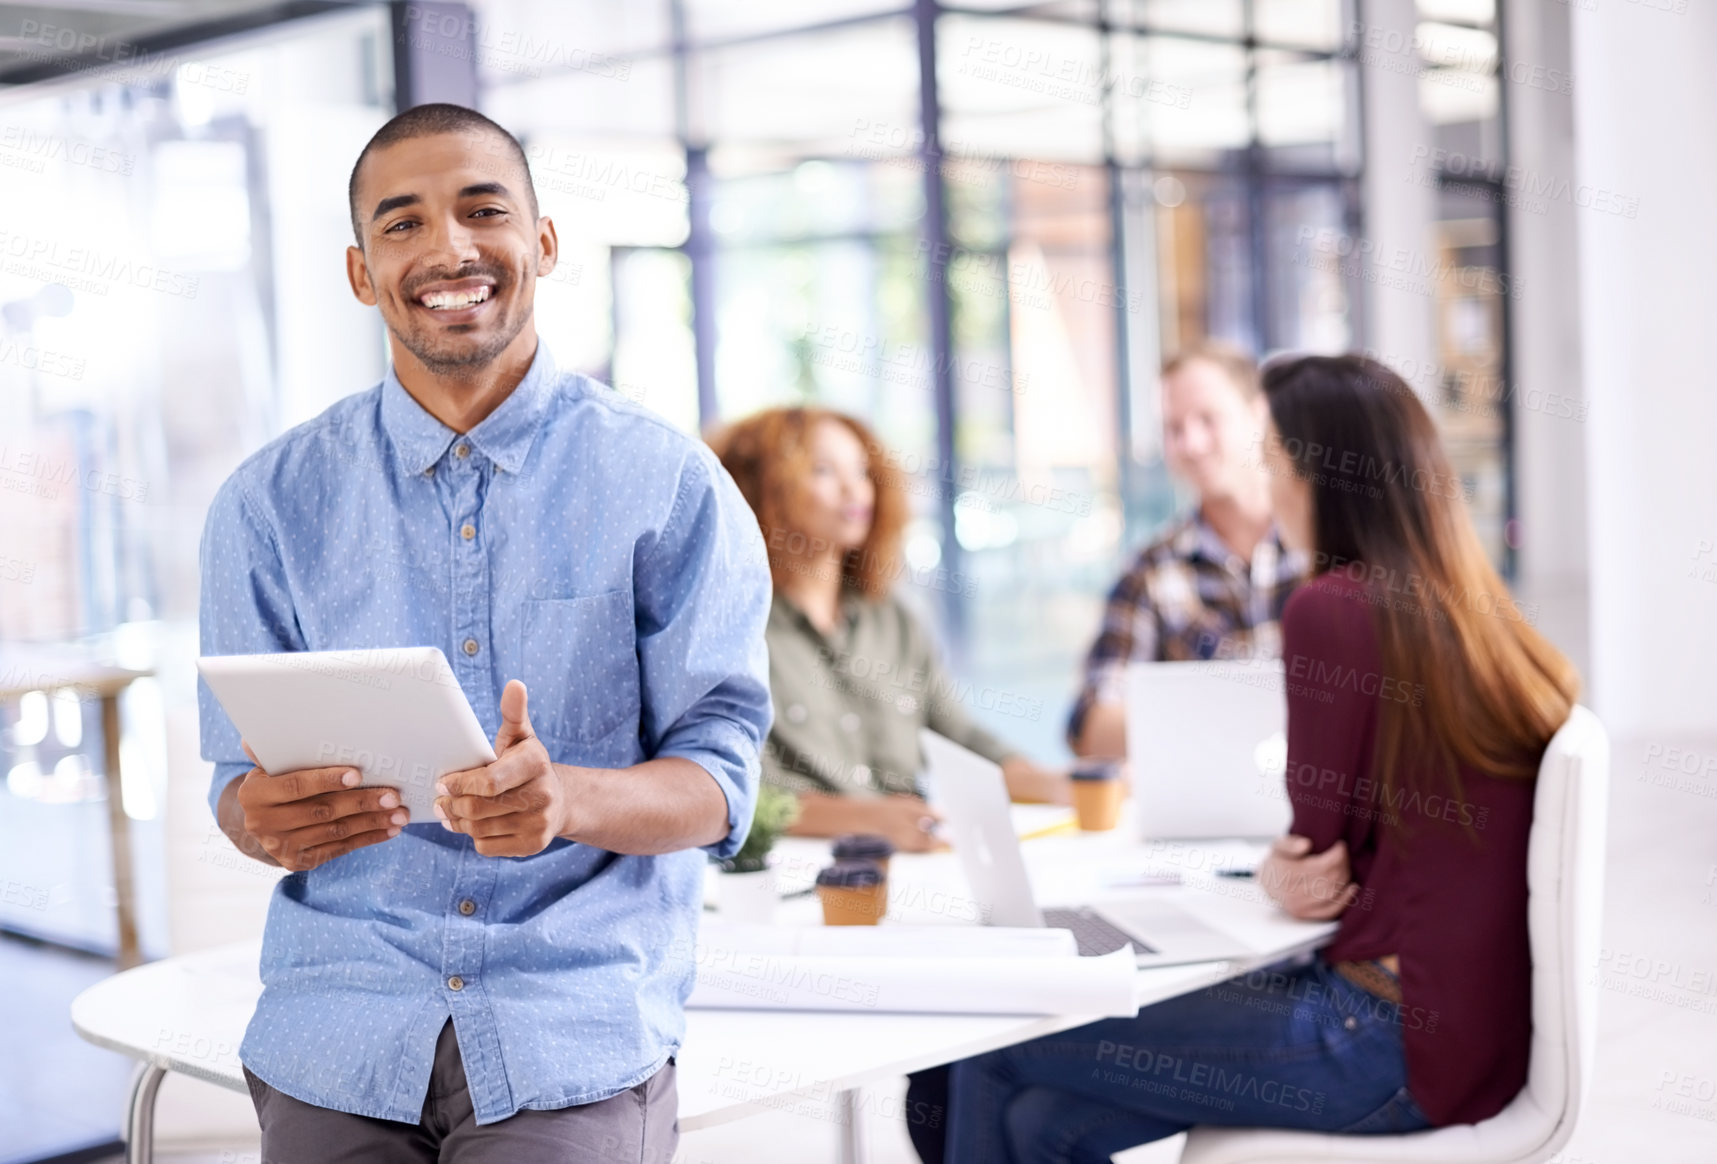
column 852, row 1146
column 119, row 830
column 140, row 1113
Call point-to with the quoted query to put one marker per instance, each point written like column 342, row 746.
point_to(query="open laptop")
column 1207, row 746
column 973, row 798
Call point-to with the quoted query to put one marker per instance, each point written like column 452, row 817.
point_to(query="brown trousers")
column 635, row 1127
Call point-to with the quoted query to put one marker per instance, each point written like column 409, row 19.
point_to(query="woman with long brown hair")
column 853, row 673
column 1419, row 706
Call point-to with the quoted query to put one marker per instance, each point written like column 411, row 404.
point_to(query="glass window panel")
column 195, row 216
column 575, row 305
column 1204, row 261
column 1464, row 120
column 113, row 28
column 601, row 195
column 537, row 38
column 715, row 19
column 1040, row 314
column 1058, row 133
column 1466, row 387
column 1302, row 109
column 1194, row 112
column 1308, row 23
column 1036, row 516
column 1448, row 46
column 837, row 322
column 1210, row 17
column 588, row 104
column 1310, row 304
column 977, row 202
column 815, row 198
column 655, row 361
column 613, row 192
column 1460, row 11
column 1086, row 10
column 1017, row 88
column 809, row 93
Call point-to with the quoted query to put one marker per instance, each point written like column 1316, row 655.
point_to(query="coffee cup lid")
column 850, row 875
column 1096, row 770
column 867, row 845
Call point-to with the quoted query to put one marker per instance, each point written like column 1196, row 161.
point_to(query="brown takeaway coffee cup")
column 853, row 893
column 1097, row 794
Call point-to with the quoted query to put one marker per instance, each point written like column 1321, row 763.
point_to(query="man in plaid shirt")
column 1214, row 583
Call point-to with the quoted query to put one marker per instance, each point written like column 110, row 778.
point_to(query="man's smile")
column 457, row 301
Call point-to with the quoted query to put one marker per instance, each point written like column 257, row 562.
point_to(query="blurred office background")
column 978, row 225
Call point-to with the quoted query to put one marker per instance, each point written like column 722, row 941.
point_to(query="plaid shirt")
column 1188, row 596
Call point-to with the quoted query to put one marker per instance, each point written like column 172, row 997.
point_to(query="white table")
column 189, row 1013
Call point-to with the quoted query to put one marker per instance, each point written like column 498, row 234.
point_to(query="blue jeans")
column 1291, row 1046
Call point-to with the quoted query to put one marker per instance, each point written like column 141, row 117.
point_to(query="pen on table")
column 1234, row 873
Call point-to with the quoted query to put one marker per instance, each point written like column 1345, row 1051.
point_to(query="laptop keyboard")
column 1091, row 933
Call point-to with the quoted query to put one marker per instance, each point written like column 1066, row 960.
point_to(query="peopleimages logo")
column 87, row 269
column 1529, row 188
column 26, row 148
column 1374, row 263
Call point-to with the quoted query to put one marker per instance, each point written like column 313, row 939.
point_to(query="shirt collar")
column 852, row 606
column 505, row 436
column 1207, row 544
column 1202, row 540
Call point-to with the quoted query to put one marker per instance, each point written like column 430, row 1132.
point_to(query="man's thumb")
column 515, row 716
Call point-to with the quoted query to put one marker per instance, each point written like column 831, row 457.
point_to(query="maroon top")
column 1442, row 880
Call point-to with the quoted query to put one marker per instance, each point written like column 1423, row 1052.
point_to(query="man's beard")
column 445, row 355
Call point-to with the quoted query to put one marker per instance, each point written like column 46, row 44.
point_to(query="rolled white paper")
column 722, row 940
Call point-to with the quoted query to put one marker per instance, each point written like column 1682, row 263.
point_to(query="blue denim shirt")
column 615, row 568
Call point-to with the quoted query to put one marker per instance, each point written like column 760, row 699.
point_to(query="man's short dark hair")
column 426, row 121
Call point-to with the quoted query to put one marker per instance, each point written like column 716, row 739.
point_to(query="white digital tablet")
column 396, row 714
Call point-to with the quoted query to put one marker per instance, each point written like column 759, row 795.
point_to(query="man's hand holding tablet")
column 302, row 819
column 512, row 808
column 519, row 804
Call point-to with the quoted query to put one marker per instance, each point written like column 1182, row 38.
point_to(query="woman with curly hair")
column 854, row 673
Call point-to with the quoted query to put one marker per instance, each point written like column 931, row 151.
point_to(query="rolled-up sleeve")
column 244, row 608
column 702, row 593
column 1129, row 634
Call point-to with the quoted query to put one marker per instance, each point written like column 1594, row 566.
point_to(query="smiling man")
column 1215, row 582
column 499, row 983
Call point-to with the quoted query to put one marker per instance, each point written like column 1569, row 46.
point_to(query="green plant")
column 777, row 809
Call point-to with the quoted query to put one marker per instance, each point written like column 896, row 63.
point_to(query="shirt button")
column 456, row 983
column 462, row 452
column 849, row 722
column 470, row 646
column 429, row 472
column 1351, row 1022
column 796, row 712
column 467, row 907
column 467, row 531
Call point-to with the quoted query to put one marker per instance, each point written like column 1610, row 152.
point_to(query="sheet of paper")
column 1032, row 820
column 1102, row 986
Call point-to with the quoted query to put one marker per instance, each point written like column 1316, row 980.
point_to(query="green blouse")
column 848, row 705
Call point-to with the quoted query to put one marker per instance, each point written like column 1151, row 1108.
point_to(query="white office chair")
column 1565, row 885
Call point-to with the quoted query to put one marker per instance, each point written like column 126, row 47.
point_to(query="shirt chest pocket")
column 580, row 663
